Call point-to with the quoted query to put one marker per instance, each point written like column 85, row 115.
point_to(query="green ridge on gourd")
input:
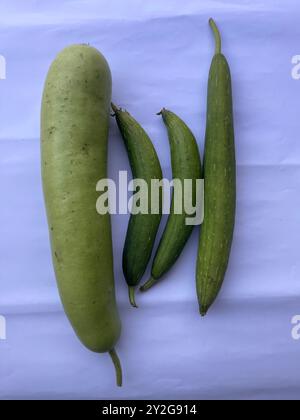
column 185, row 159
column 219, row 182
column 142, row 228
column 74, row 132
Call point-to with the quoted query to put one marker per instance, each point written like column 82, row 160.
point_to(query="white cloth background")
column 159, row 53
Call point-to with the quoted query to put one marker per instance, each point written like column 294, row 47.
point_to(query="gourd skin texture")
column 186, row 164
column 219, row 185
column 74, row 131
column 142, row 228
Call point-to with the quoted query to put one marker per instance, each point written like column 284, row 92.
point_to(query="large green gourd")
column 74, row 132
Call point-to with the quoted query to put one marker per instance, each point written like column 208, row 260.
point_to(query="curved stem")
column 149, row 283
column 131, row 296
column 216, row 35
column 116, row 361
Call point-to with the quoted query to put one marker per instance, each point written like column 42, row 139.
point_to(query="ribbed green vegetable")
column 142, row 228
column 186, row 164
column 219, row 182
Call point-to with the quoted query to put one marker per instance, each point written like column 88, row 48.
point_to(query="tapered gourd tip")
column 161, row 112
column 217, row 36
column 116, row 361
column 114, row 107
column 203, row 310
column 149, row 283
column 132, row 296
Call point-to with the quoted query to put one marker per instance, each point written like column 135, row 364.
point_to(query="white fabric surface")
column 159, row 53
